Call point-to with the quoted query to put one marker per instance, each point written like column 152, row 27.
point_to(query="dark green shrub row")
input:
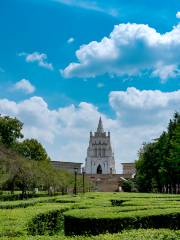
column 64, row 201
column 26, row 203
column 19, row 196
column 93, row 226
column 150, row 234
column 18, row 205
column 47, row 223
column 116, row 202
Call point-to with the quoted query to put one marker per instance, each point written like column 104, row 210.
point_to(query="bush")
column 47, row 223
column 150, row 234
column 117, row 202
column 127, row 186
column 74, row 225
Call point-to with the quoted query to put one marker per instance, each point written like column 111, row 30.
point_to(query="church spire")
column 100, row 126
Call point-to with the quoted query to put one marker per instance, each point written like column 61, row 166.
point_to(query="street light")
column 83, row 174
column 75, row 180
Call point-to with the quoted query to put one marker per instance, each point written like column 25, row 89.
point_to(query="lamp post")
column 83, row 175
column 75, row 180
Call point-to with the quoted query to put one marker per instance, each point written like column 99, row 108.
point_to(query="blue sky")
column 52, row 53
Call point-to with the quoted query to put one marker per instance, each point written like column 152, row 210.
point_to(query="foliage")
column 47, row 223
column 44, row 215
column 96, row 222
column 127, row 186
column 158, row 165
column 10, row 130
column 26, row 165
column 150, row 234
column 31, row 149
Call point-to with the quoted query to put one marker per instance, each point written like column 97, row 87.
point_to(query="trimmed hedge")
column 95, row 213
column 18, row 205
column 74, row 225
column 47, row 223
column 116, row 202
column 27, row 203
column 150, row 234
column 14, row 197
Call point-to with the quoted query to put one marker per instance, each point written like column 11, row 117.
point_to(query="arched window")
column 99, row 169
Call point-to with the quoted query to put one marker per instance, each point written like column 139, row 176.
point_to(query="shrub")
column 47, row 223
column 74, row 225
column 117, row 202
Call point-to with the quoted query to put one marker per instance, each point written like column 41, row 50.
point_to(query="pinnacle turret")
column 100, row 126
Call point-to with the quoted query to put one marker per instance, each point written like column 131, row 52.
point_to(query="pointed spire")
column 100, row 126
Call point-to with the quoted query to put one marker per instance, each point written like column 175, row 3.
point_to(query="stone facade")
column 67, row 166
column 129, row 168
column 107, row 182
column 100, row 157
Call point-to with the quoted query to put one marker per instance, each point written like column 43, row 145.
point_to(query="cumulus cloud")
column 39, row 58
column 146, row 107
column 25, row 86
column 129, row 50
column 70, row 40
column 178, row 14
column 65, row 131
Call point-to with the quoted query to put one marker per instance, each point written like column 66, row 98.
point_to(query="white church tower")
column 100, row 158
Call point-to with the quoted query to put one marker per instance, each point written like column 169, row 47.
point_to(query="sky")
column 65, row 63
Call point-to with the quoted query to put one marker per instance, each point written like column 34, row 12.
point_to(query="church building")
column 100, row 157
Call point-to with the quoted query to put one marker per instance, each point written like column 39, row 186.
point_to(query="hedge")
column 27, row 203
column 150, row 234
column 47, row 223
column 74, row 225
column 95, row 213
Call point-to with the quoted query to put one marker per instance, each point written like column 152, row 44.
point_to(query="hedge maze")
column 113, row 215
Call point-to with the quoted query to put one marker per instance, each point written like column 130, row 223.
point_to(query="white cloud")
column 178, row 15
column 70, row 40
column 129, row 50
column 39, row 58
column 25, row 86
column 146, row 107
column 140, row 116
column 89, row 5
column 165, row 72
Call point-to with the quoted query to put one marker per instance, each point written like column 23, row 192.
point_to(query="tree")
column 10, row 130
column 127, row 186
column 31, row 149
column 158, row 166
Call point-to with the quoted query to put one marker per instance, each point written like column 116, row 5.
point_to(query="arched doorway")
column 99, row 169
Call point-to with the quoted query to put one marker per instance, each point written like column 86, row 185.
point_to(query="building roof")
column 66, row 163
column 128, row 163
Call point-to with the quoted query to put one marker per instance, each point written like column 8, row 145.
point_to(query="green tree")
column 10, row 130
column 158, row 166
column 31, row 149
column 127, row 186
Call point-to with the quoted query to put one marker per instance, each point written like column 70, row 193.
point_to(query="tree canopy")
column 31, row 149
column 10, row 130
column 25, row 165
column 158, row 166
